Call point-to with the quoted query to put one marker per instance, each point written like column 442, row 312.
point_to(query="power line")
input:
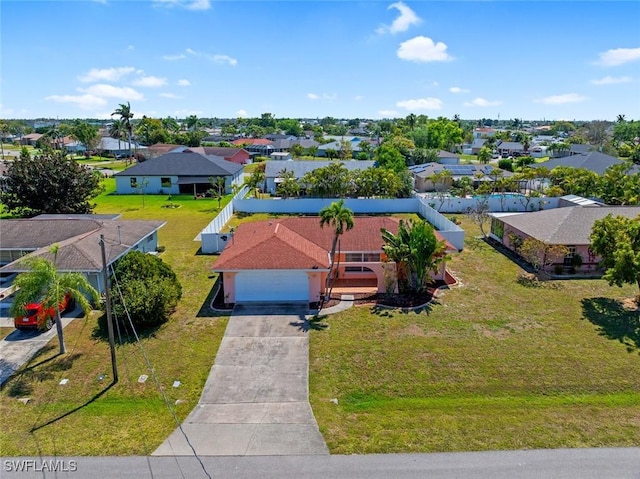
column 155, row 378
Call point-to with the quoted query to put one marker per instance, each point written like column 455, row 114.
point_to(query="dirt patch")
column 630, row 304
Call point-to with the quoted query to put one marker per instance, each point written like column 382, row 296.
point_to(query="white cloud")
column 618, row 56
column 388, row 113
column 482, row 102
column 241, row 113
column 224, row 60
column 324, row 96
column 423, row 49
column 561, row 99
column 402, row 23
column 609, row 80
column 86, row 101
column 421, row 104
column 173, row 58
column 150, row 81
column 110, row 91
column 188, row 4
column 105, row 74
column 191, row 52
column 457, row 89
column 358, row 98
column 184, row 82
column 171, row 96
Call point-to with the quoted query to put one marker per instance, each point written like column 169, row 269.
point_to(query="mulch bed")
column 407, row 300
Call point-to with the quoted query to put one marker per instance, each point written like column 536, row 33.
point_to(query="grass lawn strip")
column 492, row 365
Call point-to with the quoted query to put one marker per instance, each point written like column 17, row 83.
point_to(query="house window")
column 568, row 259
column 165, row 182
column 497, row 228
column 357, row 269
column 362, row 257
column 133, row 181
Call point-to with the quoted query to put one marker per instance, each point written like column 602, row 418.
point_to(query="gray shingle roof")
column 78, row 240
column 300, row 168
column 566, row 226
column 592, row 161
column 183, row 164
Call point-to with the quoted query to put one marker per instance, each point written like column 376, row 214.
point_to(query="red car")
column 41, row 318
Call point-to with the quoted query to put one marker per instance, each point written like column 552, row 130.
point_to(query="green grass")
column 491, row 365
column 83, row 417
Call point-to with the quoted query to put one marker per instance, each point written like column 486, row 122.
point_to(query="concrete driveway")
column 256, row 399
column 19, row 347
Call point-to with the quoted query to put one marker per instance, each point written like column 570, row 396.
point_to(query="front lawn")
column 492, row 365
column 85, row 416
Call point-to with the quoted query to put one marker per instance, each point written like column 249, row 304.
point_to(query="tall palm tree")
column 43, row 283
column 125, row 117
column 340, row 218
column 117, row 130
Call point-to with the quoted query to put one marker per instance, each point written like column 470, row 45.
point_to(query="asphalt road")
column 556, row 464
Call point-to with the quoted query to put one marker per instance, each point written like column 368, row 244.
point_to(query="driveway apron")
column 256, row 399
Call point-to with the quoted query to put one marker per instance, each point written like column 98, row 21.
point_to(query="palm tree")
column 191, row 122
column 416, row 251
column 43, row 283
column 340, row 218
column 117, row 130
column 411, row 121
column 125, row 117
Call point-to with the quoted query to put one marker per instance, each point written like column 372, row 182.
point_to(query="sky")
column 542, row 60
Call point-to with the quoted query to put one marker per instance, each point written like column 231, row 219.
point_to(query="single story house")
column 592, row 161
column 289, row 259
column 477, row 145
column 507, row 148
column 31, row 139
column 568, row 226
column 422, row 174
column 302, row 167
column 176, row 173
column 255, row 146
column 234, row 155
column 78, row 239
column 114, row 146
column 448, row 158
column 281, row 156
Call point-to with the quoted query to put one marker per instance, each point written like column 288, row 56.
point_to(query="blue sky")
column 368, row 59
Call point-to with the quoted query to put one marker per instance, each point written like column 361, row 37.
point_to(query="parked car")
column 41, row 318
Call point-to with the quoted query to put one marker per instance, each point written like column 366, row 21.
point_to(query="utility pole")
column 112, row 342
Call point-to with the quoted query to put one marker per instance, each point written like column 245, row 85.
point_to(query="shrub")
column 145, row 287
column 558, row 269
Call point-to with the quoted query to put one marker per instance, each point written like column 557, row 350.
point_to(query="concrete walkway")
column 256, row 399
column 19, row 347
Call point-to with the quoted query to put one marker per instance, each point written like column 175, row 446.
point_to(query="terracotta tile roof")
column 300, row 242
column 270, row 245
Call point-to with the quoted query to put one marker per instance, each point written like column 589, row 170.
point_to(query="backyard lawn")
column 491, row 365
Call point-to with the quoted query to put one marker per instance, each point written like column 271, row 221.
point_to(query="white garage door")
column 272, row 285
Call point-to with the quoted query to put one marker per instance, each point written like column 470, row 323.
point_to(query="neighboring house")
column 422, row 174
column 538, row 151
column 234, row 155
column 119, row 147
column 31, row 139
column 176, row 173
column 281, row 156
column 255, row 146
column 302, row 167
column 159, row 149
column 448, row 158
column 77, row 237
column 483, row 133
column 288, row 259
column 336, row 146
column 507, row 148
column 477, row 145
column 568, row 226
column 592, row 161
